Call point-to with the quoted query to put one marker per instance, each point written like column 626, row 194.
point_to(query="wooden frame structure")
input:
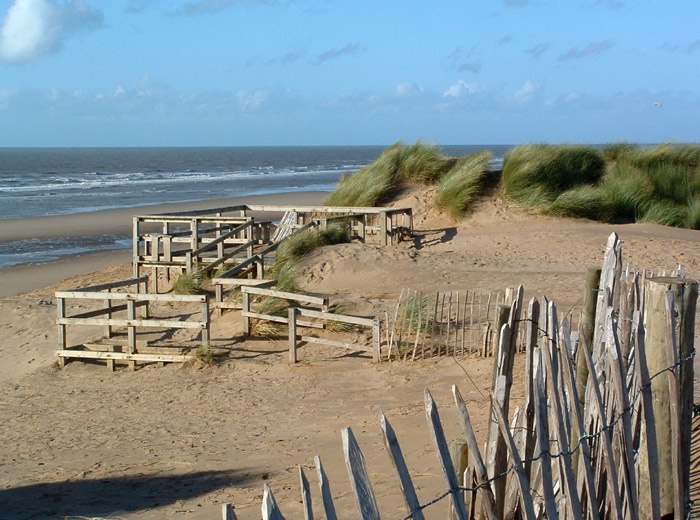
column 294, row 319
column 111, row 316
column 205, row 239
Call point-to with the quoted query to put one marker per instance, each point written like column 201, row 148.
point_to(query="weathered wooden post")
column 590, row 299
column 292, row 314
column 459, row 453
column 685, row 294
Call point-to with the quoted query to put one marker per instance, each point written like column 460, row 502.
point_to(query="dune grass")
column 190, row 283
column 374, row 184
column 620, row 182
column 423, row 163
column 535, row 175
column 659, row 184
column 459, row 187
column 297, row 246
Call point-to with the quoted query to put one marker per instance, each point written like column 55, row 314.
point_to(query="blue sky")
column 324, row 72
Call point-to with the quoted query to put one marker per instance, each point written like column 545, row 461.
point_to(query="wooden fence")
column 424, row 324
column 119, row 310
column 318, row 318
column 206, row 239
column 603, row 431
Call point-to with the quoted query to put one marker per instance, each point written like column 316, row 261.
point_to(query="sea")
column 60, row 181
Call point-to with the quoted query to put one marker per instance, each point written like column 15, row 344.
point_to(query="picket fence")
column 604, row 430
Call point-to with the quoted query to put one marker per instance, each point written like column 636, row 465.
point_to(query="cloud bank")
column 33, row 28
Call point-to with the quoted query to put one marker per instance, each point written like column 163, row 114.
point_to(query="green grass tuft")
column 459, row 187
column 190, row 283
column 374, row 184
column 371, row 185
column 423, row 163
column 666, row 213
column 536, row 175
column 629, row 191
column 582, row 202
column 298, row 245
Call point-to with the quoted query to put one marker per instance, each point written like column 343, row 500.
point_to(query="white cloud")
column 32, row 28
column 407, row 88
column 462, row 88
column 250, row 100
column 525, row 93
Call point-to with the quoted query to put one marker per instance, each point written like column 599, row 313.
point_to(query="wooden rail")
column 184, row 240
column 320, row 302
column 294, row 338
column 105, row 317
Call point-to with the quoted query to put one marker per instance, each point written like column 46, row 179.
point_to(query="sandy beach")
column 177, row 442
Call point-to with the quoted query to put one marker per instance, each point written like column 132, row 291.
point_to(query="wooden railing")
column 120, row 311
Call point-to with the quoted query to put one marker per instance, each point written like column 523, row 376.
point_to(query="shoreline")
column 23, row 278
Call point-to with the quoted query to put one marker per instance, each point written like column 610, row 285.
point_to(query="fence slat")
column 480, row 473
column 525, row 493
column 559, row 412
column 305, row 495
column 359, row 480
column 324, row 485
column 674, row 397
column 270, row 511
column 545, row 458
column 227, row 512
column 397, row 459
column 438, row 436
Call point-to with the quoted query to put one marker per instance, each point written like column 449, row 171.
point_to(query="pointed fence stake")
column 480, row 474
column 227, row 512
column 438, row 436
column 525, row 493
column 328, row 506
column 270, row 511
column 397, row 459
column 305, row 495
column 359, row 480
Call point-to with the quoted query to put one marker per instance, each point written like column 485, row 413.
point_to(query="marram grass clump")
column 535, row 175
column 372, row 184
column 375, row 184
column 298, row 245
column 459, row 187
column 191, row 282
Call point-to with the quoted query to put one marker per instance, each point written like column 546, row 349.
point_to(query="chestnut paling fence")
column 604, row 430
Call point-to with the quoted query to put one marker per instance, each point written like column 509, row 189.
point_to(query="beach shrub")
column 692, row 219
column 370, row 185
column 535, row 175
column 298, row 245
column 582, row 202
column 190, row 283
column 423, row 163
column 666, row 213
column 459, row 187
column 628, row 190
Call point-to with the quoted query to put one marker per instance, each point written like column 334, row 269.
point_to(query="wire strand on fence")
column 587, row 436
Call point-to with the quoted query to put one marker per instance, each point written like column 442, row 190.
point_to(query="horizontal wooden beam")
column 138, row 322
column 123, row 356
column 138, row 297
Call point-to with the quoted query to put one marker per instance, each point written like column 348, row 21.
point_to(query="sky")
column 347, row 72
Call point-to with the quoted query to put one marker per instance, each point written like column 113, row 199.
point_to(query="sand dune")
column 178, row 441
